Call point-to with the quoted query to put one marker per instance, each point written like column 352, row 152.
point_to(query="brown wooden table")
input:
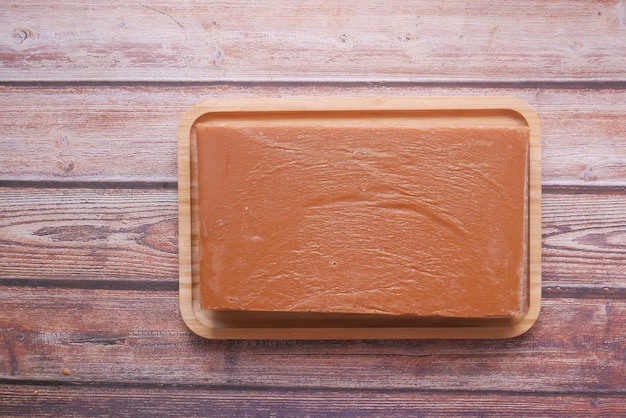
column 91, row 94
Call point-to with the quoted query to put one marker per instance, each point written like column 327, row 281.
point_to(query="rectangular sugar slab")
column 362, row 216
column 406, row 221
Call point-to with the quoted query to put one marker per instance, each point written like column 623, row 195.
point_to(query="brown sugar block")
column 424, row 221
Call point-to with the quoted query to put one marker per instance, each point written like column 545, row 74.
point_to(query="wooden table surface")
column 91, row 95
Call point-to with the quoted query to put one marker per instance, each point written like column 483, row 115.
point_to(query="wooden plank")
column 583, row 239
column 88, row 234
column 368, row 41
column 131, row 235
column 73, row 134
column 110, row 337
column 76, row 134
column 37, row 400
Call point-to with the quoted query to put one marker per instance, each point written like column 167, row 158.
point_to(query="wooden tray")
column 420, row 111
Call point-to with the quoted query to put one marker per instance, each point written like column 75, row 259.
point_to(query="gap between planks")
column 548, row 291
column 573, row 84
column 299, row 389
column 594, row 188
column 157, row 184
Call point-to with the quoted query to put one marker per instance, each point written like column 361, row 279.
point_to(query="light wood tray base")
column 416, row 111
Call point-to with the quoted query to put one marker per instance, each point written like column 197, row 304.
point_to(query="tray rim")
column 357, row 104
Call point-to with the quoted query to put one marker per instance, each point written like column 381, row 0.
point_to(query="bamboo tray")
column 415, row 111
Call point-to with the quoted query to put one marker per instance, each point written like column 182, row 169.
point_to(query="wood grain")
column 87, row 234
column 38, row 400
column 368, row 41
column 110, row 337
column 129, row 235
column 74, row 134
column 583, row 239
